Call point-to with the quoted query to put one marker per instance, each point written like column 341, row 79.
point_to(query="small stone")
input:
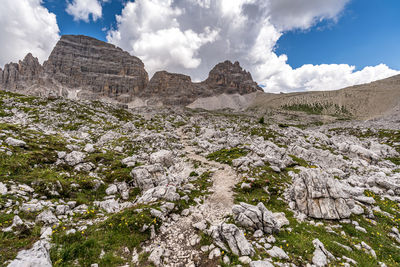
column 202, row 225
column 245, row 259
column 361, row 229
column 112, row 190
column 215, row 253
column 276, row 252
column 226, row 260
column 185, row 212
column 155, row 256
column 15, row 142
column 258, row 234
column 261, row 264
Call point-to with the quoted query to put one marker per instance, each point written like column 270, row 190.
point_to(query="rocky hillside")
column 365, row 101
column 82, row 67
column 84, row 183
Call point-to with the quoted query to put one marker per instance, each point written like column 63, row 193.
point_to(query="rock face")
column 16, row 76
column 99, row 67
column 230, row 78
column 38, row 255
column 233, row 236
column 178, row 89
column 256, row 217
column 172, row 88
column 81, row 67
column 318, row 195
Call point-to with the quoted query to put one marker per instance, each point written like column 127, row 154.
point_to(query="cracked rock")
column 318, row 195
column 258, row 218
column 321, row 256
column 230, row 234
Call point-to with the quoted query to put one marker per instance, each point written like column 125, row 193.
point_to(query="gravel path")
column 178, row 237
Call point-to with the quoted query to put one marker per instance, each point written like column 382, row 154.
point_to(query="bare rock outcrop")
column 78, row 66
column 258, row 218
column 178, row 89
column 230, row 78
column 318, row 195
column 17, row 76
column 81, row 67
column 171, row 89
column 97, row 67
column 230, row 234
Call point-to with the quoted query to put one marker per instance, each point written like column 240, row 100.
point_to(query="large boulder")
column 321, row 256
column 163, row 157
column 258, row 218
column 15, row 142
column 160, row 192
column 74, row 158
column 148, row 176
column 47, row 217
column 230, row 234
column 319, row 195
column 38, row 255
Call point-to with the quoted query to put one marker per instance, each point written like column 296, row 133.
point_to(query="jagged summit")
column 86, row 68
column 231, row 78
column 83, row 62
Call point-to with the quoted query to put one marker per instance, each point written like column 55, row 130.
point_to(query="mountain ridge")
column 84, row 67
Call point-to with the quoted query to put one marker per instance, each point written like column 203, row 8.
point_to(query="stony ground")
column 92, row 184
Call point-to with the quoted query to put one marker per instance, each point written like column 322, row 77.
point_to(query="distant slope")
column 366, row 101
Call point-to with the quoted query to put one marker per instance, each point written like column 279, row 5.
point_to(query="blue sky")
column 367, row 33
column 287, row 45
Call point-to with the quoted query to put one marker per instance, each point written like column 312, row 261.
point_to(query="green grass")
column 318, row 109
column 298, row 242
column 11, row 243
column 394, row 160
column 227, row 155
column 119, row 231
column 202, row 184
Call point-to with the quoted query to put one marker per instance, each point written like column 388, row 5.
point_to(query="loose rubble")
column 174, row 187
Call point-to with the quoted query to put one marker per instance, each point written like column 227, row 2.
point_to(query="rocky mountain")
column 230, row 78
column 16, row 77
column 95, row 67
column 82, row 67
column 177, row 89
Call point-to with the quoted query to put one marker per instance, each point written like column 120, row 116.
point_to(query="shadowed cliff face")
column 230, row 78
column 178, row 89
column 15, row 76
column 95, row 68
column 80, row 61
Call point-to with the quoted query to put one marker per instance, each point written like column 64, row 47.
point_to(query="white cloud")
column 191, row 36
column 293, row 14
column 157, row 37
column 325, row 77
column 82, row 9
column 26, row 26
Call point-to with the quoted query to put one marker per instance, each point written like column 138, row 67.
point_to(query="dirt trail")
column 179, row 237
column 224, row 179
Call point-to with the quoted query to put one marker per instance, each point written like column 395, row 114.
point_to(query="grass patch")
column 227, row 155
column 111, row 236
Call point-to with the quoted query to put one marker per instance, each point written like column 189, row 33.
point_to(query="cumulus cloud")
column 26, row 26
column 157, row 37
column 191, row 36
column 325, row 77
column 82, row 9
